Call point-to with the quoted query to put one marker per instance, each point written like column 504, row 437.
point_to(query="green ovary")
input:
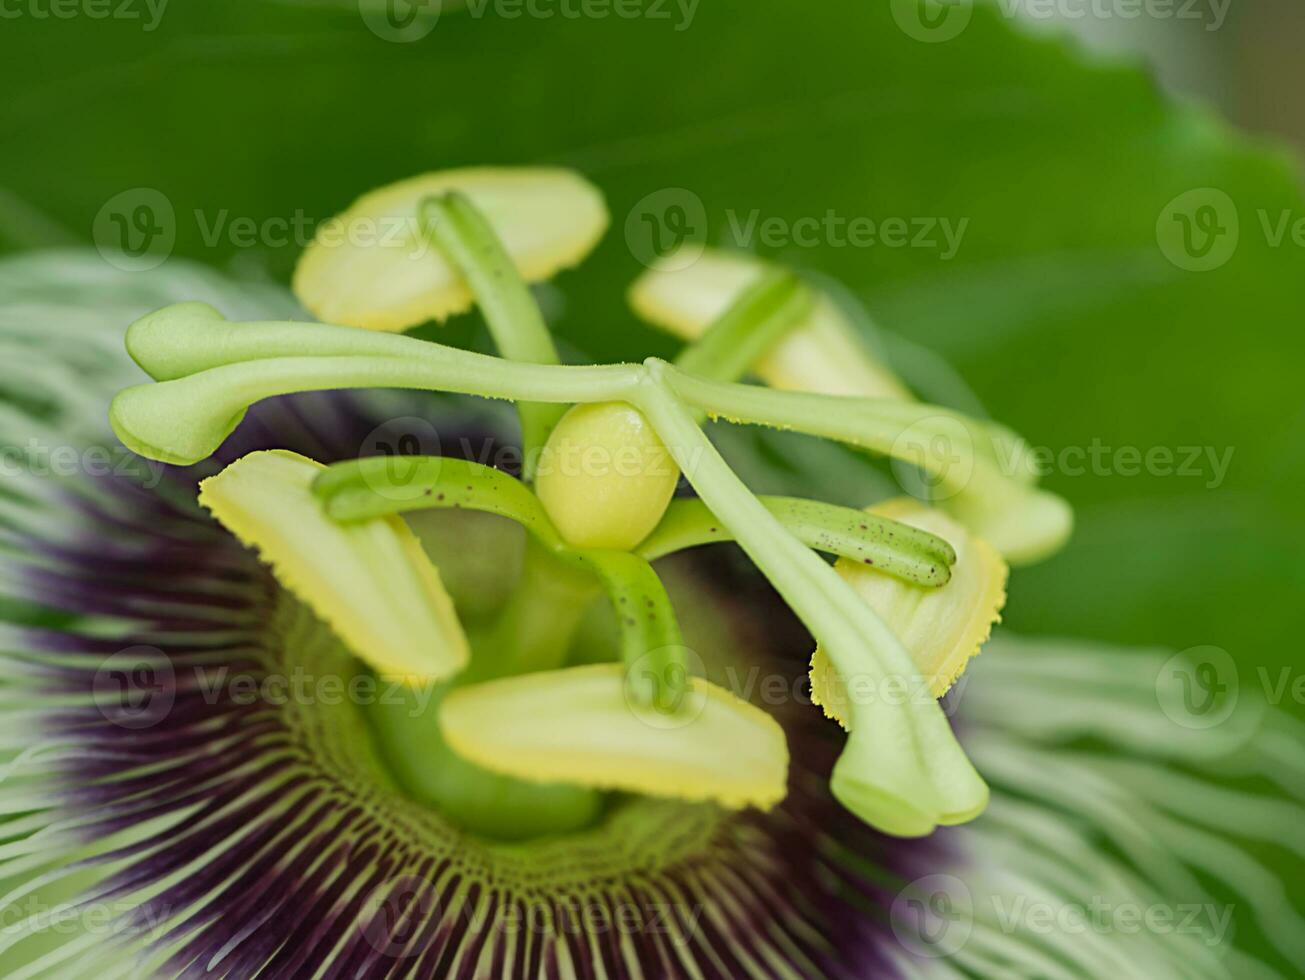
column 498, row 807
column 605, row 478
column 533, row 631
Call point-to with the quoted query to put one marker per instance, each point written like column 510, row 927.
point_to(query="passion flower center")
column 369, row 742
column 532, row 632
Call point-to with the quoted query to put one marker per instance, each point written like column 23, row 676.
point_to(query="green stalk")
column 903, row 770
column 894, row 548
column 363, row 489
column 754, row 324
column 809, row 585
column 191, row 338
column 534, row 631
column 939, row 440
column 470, row 244
column 187, row 419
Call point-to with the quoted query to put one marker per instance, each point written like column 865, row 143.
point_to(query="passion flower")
column 251, row 734
column 209, row 371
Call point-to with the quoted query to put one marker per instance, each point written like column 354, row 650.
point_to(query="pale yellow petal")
column 942, row 628
column 822, row 354
column 372, row 267
column 1024, row 523
column 577, row 726
column 370, row 581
